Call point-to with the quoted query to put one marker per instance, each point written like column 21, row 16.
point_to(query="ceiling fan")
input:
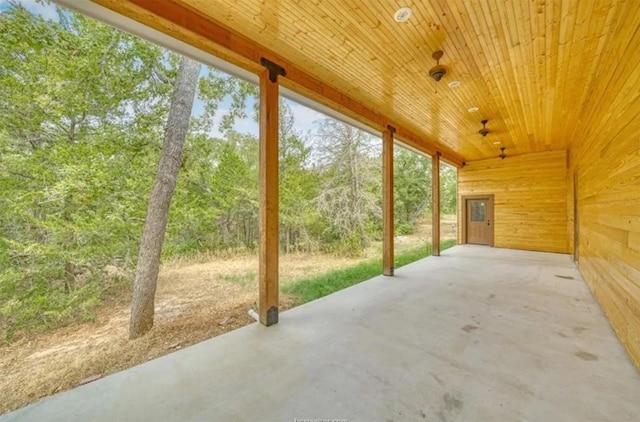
column 437, row 71
column 484, row 131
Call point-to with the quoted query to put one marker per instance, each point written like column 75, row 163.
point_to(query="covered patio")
column 540, row 113
column 477, row 334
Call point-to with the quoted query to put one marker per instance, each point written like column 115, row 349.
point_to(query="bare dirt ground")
column 195, row 300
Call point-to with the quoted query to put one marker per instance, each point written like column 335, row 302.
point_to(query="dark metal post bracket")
column 274, row 69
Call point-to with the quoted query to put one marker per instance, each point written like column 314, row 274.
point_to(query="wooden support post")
column 269, row 232
column 387, row 201
column 435, row 204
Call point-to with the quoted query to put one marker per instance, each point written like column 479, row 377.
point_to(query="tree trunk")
column 144, row 289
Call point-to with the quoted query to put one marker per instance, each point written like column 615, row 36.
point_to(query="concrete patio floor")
column 479, row 334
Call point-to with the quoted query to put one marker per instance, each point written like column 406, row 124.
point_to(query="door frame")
column 463, row 200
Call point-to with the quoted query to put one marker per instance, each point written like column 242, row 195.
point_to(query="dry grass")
column 196, row 300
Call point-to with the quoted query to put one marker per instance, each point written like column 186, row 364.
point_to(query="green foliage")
column 412, row 189
column 77, row 110
column 82, row 114
column 349, row 199
column 448, row 189
column 308, row 289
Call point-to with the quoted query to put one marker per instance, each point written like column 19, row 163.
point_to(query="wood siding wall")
column 530, row 199
column 605, row 157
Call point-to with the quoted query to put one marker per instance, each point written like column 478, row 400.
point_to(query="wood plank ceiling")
column 528, row 65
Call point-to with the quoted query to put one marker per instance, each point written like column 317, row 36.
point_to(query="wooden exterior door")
column 479, row 220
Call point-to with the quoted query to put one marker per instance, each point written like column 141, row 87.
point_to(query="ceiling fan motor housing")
column 437, row 72
column 484, row 131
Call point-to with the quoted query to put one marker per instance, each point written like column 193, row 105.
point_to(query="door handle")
column 488, row 223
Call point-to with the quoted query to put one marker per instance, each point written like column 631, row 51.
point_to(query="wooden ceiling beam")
column 185, row 24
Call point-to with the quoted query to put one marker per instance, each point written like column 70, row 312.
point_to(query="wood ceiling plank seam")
column 468, row 34
column 479, row 148
column 302, row 47
column 331, row 95
column 400, row 31
column 522, row 75
column 543, row 81
column 496, row 62
column 553, row 40
column 457, row 46
column 505, row 73
column 241, row 12
column 479, row 32
column 452, row 50
column 526, row 74
column 443, row 26
column 572, row 69
column 577, row 48
column 535, row 76
column 537, row 49
column 613, row 64
column 546, row 21
column 492, row 110
column 305, row 43
column 457, row 51
column 586, row 120
column 509, row 22
column 346, row 72
column 454, row 61
column 567, row 22
column 429, row 17
column 494, row 59
column 269, row 18
column 516, row 100
column 407, row 84
column 356, row 75
column 352, row 27
column 509, row 91
column 337, row 45
column 552, row 16
column 389, row 63
column 594, row 67
column 460, row 42
column 516, row 56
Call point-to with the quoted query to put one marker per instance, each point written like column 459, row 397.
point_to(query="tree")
column 142, row 304
column 83, row 108
column 448, row 189
column 234, row 193
column 350, row 193
column 412, row 188
column 80, row 115
column 298, row 185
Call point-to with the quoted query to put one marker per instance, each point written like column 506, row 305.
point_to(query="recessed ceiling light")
column 473, row 109
column 454, row 84
column 402, row 15
column 497, row 143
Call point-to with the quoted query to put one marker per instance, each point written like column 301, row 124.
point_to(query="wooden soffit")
column 528, row 66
